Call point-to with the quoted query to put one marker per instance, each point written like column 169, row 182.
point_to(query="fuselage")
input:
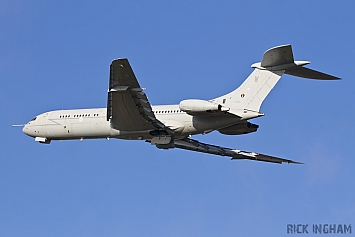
column 92, row 123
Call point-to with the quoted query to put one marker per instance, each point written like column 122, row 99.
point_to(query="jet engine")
column 240, row 128
column 196, row 106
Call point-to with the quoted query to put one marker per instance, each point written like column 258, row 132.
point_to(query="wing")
column 128, row 107
column 193, row 145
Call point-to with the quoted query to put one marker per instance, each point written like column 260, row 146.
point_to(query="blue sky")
column 56, row 55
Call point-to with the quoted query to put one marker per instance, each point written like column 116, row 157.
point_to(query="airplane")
column 129, row 115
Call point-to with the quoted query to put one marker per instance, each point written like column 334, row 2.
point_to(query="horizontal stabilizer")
column 309, row 73
column 277, row 56
column 281, row 58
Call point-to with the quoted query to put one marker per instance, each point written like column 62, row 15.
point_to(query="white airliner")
column 130, row 116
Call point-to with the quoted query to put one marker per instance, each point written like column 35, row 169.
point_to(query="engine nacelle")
column 240, row 128
column 196, row 106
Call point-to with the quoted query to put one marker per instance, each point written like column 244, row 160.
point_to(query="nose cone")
column 28, row 130
column 24, row 129
column 31, row 130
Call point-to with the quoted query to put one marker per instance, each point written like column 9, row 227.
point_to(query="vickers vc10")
column 129, row 115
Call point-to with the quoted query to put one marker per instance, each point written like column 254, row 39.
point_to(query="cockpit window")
column 34, row 119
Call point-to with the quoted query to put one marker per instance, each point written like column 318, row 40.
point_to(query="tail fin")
column 275, row 62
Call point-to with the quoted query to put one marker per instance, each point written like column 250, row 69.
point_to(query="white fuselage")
column 92, row 123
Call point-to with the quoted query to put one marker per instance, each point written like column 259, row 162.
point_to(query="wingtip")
column 119, row 59
column 295, row 162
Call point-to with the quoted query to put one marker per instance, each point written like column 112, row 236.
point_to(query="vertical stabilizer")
column 251, row 94
column 275, row 62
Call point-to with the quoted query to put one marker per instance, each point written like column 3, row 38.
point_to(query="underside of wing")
column 193, row 145
column 128, row 107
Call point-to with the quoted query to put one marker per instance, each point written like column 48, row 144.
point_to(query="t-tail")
column 275, row 62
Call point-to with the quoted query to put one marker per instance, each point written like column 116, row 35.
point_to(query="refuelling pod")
column 198, row 106
column 240, row 128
